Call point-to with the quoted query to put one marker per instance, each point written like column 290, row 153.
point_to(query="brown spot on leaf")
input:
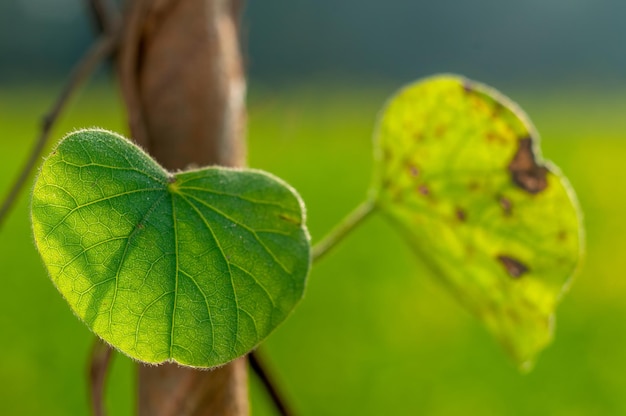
column 473, row 186
column 495, row 138
column 497, row 109
column 461, row 214
column 506, row 205
column 513, row 267
column 562, row 235
column 467, row 86
column 414, row 171
column 525, row 171
column 423, row 189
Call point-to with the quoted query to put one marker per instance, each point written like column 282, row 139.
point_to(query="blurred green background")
column 375, row 334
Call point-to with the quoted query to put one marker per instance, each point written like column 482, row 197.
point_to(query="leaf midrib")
column 230, row 272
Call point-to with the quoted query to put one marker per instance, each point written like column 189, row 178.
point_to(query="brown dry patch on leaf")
column 513, row 267
column 461, row 214
column 525, row 171
column 506, row 205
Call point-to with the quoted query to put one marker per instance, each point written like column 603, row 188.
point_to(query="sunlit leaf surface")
column 460, row 173
column 194, row 267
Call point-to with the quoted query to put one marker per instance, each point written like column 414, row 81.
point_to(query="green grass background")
column 375, row 334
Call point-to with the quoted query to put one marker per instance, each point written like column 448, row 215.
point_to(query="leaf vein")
column 175, row 226
column 243, row 198
column 267, row 293
column 230, row 272
column 107, row 198
column 253, row 232
column 134, row 232
column 208, row 307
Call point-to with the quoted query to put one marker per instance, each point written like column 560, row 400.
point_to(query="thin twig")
column 99, row 363
column 353, row 219
column 260, row 369
column 99, row 50
column 106, row 14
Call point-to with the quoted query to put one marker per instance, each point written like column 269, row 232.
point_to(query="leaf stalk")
column 345, row 227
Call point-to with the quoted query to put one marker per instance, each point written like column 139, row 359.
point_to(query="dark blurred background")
column 532, row 41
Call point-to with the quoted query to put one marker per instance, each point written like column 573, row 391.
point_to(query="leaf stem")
column 100, row 49
column 349, row 223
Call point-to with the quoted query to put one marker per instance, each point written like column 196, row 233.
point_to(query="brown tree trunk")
column 184, row 88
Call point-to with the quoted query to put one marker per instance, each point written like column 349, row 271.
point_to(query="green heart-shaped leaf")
column 459, row 171
column 194, row 267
